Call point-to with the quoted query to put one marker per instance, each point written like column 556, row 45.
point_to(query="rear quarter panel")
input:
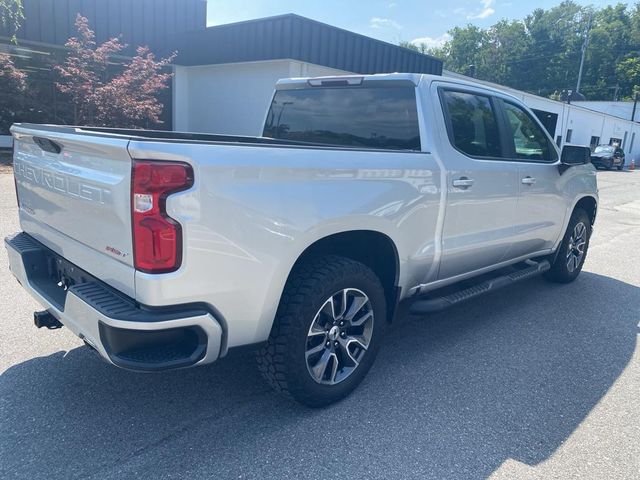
column 253, row 210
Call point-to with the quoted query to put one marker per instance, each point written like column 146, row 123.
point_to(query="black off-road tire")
column 560, row 271
column 282, row 361
column 621, row 166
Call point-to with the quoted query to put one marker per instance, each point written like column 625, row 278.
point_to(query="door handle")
column 463, row 182
column 529, row 181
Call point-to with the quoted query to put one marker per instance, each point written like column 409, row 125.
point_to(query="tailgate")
column 74, row 193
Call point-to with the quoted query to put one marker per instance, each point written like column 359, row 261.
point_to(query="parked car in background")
column 608, row 156
column 165, row 250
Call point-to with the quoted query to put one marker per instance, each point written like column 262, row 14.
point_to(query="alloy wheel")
column 339, row 336
column 577, row 244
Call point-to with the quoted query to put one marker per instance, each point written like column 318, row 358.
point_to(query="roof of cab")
column 346, row 80
column 397, row 79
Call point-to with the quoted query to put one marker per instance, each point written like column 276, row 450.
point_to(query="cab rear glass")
column 354, row 117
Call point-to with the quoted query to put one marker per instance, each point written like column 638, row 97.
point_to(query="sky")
column 417, row 21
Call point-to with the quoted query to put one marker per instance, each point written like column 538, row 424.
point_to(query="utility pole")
column 635, row 105
column 585, row 44
column 615, row 89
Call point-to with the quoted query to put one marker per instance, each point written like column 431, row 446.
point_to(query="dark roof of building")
column 299, row 38
column 137, row 22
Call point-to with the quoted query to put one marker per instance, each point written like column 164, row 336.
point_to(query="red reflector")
column 157, row 238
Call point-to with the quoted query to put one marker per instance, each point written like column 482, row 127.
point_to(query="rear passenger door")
column 541, row 206
column 482, row 183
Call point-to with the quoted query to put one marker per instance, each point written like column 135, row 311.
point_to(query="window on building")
column 594, row 142
column 615, row 141
column 359, row 117
column 549, row 120
column 633, row 138
column 473, row 124
column 569, row 135
column 559, row 140
column 530, row 140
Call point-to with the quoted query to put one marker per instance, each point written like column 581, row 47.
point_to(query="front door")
column 541, row 207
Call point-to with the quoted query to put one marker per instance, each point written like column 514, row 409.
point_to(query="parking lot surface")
column 534, row 381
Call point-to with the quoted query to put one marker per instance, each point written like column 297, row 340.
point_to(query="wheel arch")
column 589, row 204
column 374, row 249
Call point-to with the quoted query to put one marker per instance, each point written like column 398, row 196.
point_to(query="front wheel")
column 328, row 328
column 621, row 166
column 573, row 249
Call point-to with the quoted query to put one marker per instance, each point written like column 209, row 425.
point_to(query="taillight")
column 157, row 238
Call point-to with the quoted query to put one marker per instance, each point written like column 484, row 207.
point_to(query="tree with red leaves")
column 11, row 16
column 128, row 98
column 13, row 84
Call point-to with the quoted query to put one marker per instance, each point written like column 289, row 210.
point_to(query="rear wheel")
column 327, row 331
column 573, row 249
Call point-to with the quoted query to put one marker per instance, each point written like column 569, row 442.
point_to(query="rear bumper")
column 123, row 332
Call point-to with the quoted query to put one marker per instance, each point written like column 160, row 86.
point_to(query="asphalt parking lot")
column 537, row 381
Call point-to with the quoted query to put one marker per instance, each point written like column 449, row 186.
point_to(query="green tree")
column 628, row 72
column 610, row 43
column 468, row 46
column 541, row 53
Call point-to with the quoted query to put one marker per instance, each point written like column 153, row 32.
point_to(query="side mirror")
column 574, row 155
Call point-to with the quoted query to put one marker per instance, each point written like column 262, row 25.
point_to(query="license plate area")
column 52, row 276
column 64, row 273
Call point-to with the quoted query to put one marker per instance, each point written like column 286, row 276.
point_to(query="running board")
column 440, row 303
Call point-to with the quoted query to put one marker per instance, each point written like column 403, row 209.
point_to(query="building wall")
column 617, row 109
column 585, row 124
column 154, row 23
column 232, row 98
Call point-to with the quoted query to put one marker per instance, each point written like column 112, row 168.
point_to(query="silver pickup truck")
column 166, row 250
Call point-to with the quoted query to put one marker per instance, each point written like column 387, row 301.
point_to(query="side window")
column 474, row 128
column 529, row 139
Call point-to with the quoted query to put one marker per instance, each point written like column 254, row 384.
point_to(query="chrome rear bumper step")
column 436, row 304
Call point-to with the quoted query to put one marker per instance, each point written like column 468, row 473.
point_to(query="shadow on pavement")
column 451, row 396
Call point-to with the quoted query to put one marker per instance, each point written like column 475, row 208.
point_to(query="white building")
column 226, row 76
column 617, row 109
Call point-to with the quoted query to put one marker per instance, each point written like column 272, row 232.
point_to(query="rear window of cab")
column 354, row 117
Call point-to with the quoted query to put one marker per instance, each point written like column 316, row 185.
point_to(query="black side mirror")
column 574, row 155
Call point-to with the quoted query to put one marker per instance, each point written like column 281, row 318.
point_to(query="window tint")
column 380, row 117
column 530, row 141
column 474, row 128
